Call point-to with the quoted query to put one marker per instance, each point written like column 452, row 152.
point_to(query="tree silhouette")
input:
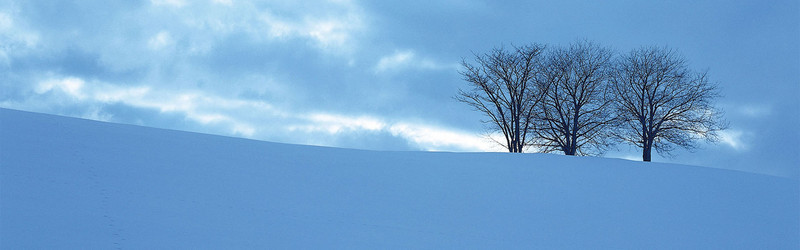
column 574, row 115
column 661, row 103
column 504, row 89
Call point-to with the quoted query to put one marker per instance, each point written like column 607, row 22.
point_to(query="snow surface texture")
column 73, row 183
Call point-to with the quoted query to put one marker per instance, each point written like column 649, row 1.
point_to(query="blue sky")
column 379, row 74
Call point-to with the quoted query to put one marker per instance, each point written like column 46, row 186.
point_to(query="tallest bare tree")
column 504, row 89
column 661, row 103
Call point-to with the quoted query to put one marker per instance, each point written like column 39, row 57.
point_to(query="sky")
column 380, row 74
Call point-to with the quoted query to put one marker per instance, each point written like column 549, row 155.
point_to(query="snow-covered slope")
column 73, row 183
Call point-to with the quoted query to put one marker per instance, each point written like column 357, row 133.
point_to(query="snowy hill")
column 73, row 183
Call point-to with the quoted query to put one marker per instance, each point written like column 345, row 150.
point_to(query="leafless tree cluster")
column 582, row 98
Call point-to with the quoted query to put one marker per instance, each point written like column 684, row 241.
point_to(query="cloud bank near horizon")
column 275, row 70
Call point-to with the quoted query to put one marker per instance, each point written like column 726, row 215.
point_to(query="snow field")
column 70, row 183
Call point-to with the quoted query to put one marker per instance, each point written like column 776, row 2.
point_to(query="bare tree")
column 575, row 116
column 504, row 89
column 662, row 103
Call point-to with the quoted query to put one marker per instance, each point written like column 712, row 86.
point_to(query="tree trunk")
column 647, row 150
column 517, row 144
column 570, row 151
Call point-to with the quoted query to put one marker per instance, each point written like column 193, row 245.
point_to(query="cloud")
column 434, row 138
column 5, row 21
column 171, row 3
column 421, row 136
column 334, row 124
column 70, row 85
column 160, row 40
column 407, row 59
column 755, row 110
column 203, row 108
column 330, row 25
column 248, row 118
column 329, row 33
column 734, row 139
column 394, row 61
column 625, row 155
column 223, row 2
column 15, row 38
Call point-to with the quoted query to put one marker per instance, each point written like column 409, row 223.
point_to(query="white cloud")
column 334, row 123
column 200, row 107
column 15, row 38
column 329, row 32
column 405, row 59
column 6, row 23
column 755, row 110
column 278, row 28
column 397, row 60
column 734, row 139
column 211, row 118
column 330, row 26
column 172, row 3
column 223, row 2
column 70, row 85
column 95, row 113
column 426, row 137
column 244, row 129
column 625, row 155
column 631, row 157
column 110, row 94
column 160, row 40
column 433, row 138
